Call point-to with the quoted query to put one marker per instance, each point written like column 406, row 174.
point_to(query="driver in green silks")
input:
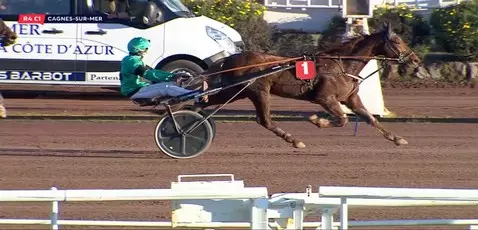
column 133, row 69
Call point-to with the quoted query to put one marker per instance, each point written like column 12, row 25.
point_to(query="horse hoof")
column 313, row 118
column 323, row 123
column 319, row 122
column 299, row 145
column 400, row 141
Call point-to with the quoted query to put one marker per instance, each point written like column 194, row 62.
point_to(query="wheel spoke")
column 167, row 136
column 182, row 146
column 164, row 138
column 196, row 138
column 189, row 129
column 170, row 129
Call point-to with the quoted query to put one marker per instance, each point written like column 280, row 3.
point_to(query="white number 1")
column 305, row 67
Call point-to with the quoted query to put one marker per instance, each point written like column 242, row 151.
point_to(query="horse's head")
column 7, row 36
column 394, row 47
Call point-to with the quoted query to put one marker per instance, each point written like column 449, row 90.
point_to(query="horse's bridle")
column 402, row 57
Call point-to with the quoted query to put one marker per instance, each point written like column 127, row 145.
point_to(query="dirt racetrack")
column 37, row 154
column 404, row 102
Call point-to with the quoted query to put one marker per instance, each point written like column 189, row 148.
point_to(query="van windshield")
column 178, row 7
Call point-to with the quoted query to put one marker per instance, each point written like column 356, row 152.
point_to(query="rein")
column 298, row 58
column 357, row 57
column 250, row 66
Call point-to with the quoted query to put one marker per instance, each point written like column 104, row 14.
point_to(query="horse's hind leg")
column 332, row 106
column 261, row 103
column 355, row 104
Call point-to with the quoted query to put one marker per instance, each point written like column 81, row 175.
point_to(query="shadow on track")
column 22, row 152
column 122, row 154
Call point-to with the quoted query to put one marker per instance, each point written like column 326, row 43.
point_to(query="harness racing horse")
column 7, row 37
column 332, row 86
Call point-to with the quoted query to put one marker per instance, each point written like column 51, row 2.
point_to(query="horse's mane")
column 2, row 25
column 4, row 29
column 346, row 47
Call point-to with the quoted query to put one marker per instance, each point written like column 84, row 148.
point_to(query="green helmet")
column 138, row 44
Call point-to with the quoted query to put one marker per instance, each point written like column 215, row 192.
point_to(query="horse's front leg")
column 355, row 104
column 332, row 106
column 261, row 103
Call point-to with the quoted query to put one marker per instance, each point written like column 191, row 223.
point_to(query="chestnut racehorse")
column 332, row 85
column 7, row 37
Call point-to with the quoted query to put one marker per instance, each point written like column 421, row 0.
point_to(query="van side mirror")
column 152, row 14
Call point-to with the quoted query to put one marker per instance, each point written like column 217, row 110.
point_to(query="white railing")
column 346, row 194
column 252, row 200
column 423, row 3
column 228, row 204
column 302, row 3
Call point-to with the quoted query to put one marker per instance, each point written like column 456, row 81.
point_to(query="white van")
column 76, row 42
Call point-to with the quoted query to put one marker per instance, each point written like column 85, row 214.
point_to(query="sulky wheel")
column 204, row 114
column 182, row 145
column 211, row 122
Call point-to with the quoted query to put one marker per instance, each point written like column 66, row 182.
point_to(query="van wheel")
column 183, row 66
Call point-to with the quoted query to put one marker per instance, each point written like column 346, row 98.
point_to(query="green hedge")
column 452, row 29
column 226, row 11
column 411, row 26
column 456, row 28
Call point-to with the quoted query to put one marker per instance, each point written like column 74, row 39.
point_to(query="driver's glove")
column 180, row 78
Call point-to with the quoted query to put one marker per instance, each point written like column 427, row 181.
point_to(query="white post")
column 259, row 214
column 298, row 214
column 54, row 213
column 327, row 218
column 344, row 214
column 348, row 30
column 365, row 28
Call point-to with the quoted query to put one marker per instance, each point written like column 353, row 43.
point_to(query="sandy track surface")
column 95, row 155
column 404, row 102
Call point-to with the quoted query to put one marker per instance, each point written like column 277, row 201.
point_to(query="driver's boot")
column 199, row 102
column 205, row 86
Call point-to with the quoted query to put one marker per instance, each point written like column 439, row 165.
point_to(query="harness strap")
column 362, row 79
